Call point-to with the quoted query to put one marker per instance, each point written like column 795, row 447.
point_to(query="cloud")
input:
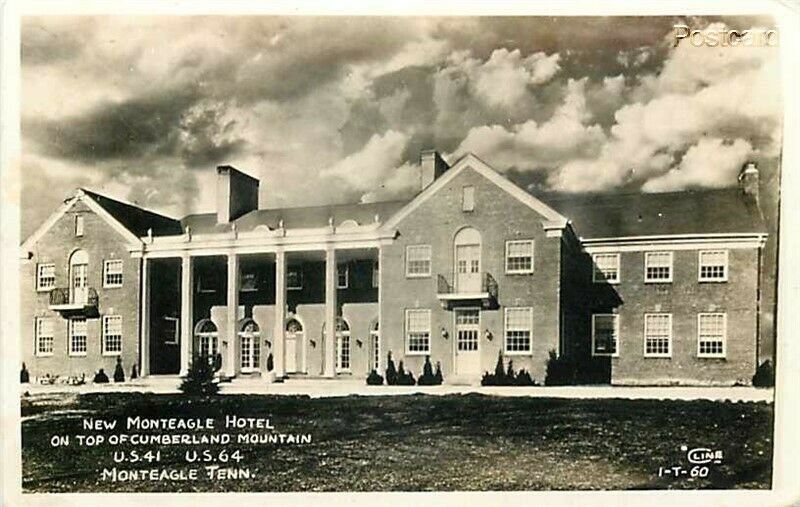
column 711, row 163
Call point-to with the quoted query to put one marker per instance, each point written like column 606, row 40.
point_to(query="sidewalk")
column 321, row 388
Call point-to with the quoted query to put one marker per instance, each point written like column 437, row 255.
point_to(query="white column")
column 144, row 342
column 232, row 316
column 329, row 360
column 278, row 335
column 187, row 324
column 380, row 312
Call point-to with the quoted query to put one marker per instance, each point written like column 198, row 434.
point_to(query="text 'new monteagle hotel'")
column 635, row 288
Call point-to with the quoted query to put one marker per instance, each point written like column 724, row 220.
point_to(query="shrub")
column 374, row 379
column 134, row 372
column 428, row 378
column 391, row 372
column 507, row 376
column 524, row 379
column 119, row 373
column 270, row 362
column 100, row 377
column 200, row 378
column 404, row 378
column 765, row 375
column 24, row 376
column 560, row 370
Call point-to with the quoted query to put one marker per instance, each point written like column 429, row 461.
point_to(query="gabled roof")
column 298, row 217
column 130, row 221
column 135, row 219
column 552, row 216
column 616, row 215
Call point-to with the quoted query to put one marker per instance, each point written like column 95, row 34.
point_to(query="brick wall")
column 101, row 242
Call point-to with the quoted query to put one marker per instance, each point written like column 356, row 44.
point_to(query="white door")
column 468, row 358
column 468, row 268
column 80, row 290
column 291, row 352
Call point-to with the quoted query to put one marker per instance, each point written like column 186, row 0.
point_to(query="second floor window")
column 45, row 276
column 112, row 273
column 519, row 256
column 606, row 267
column 658, row 266
column 342, row 276
column 418, row 260
column 713, row 265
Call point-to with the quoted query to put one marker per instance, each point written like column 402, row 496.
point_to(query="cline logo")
column 725, row 38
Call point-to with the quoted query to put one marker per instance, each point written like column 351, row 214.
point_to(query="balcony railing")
column 74, row 303
column 450, row 295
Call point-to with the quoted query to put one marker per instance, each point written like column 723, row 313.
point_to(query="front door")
column 250, row 352
column 468, row 268
column 291, row 351
column 468, row 359
column 79, row 285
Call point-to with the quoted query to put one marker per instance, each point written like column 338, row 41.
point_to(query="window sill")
column 426, row 353
column 44, row 354
column 418, row 276
column 518, row 353
column 516, row 273
column 44, row 290
column 112, row 354
column 609, row 282
column 599, row 354
column 712, row 357
column 77, row 354
column 657, row 282
column 112, row 286
column 712, row 281
column 657, row 356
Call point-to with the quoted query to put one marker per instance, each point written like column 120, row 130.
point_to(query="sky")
column 337, row 109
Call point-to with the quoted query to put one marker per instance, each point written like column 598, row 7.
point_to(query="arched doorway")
column 293, row 340
column 375, row 347
column 467, row 257
column 206, row 338
column 78, row 276
column 249, row 345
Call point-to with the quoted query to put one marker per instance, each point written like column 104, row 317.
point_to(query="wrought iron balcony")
column 451, row 295
column 64, row 301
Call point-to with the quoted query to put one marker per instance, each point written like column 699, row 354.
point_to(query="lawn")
column 414, row 443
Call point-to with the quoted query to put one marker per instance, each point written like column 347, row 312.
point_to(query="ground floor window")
column 711, row 329
column 657, row 334
column 250, row 348
column 44, row 336
column 519, row 324
column 418, row 331
column 342, row 345
column 112, row 334
column 77, row 337
column 207, row 337
column 605, row 334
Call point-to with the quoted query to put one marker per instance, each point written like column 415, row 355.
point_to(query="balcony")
column 484, row 295
column 70, row 305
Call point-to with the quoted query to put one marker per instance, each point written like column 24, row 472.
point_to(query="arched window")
column 206, row 338
column 294, row 326
column 249, row 345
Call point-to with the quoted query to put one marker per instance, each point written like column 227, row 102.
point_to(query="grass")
column 420, row 443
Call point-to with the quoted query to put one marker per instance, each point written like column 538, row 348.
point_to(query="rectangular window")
column 519, row 256
column 294, row 278
column 713, row 266
column 605, row 334
column 711, row 328
column 77, row 337
column 658, row 267
column 657, row 334
column 376, row 275
column 606, row 268
column 112, row 335
column 79, row 225
column 44, row 336
column 418, row 331
column 45, row 276
column 112, row 273
column 519, row 328
column 342, row 276
column 418, row 260
column 468, row 198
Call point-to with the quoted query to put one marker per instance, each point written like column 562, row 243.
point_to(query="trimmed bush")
column 119, row 373
column 100, row 377
column 507, row 376
column 524, row 379
column 765, row 375
column 391, row 372
column 134, row 372
column 270, row 362
column 374, row 379
column 200, row 378
column 560, row 370
column 404, row 378
column 24, row 376
column 428, row 378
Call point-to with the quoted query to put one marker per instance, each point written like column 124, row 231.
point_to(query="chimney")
column 433, row 166
column 748, row 181
column 237, row 194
